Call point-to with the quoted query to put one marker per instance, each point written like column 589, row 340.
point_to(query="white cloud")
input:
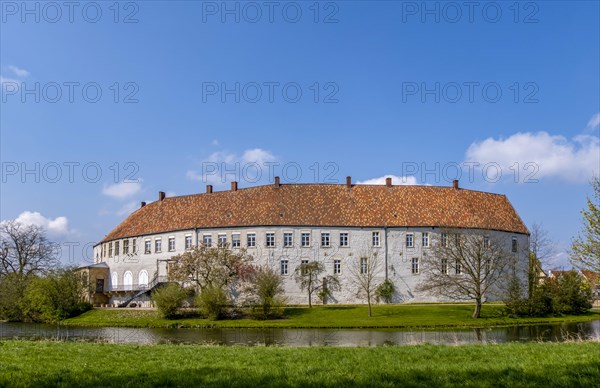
column 228, row 164
column 257, row 155
column 18, row 71
column 396, row 180
column 122, row 190
column 574, row 160
column 56, row 227
column 215, row 142
column 594, row 122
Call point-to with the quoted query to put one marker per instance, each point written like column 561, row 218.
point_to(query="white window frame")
column 207, row 239
column 325, row 237
column 376, row 238
column 284, row 267
column 444, row 265
column 158, row 245
column 414, row 266
column 305, row 239
column 221, row 239
column 270, row 239
column 188, row 238
column 337, row 266
column 236, row 240
column 344, row 239
column 126, row 246
column 251, row 239
column 147, row 246
column 171, row 243
column 290, row 243
column 364, row 265
column 425, row 239
column 412, row 240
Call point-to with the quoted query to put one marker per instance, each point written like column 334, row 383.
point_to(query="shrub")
column 212, row 301
column 169, row 299
column 57, row 296
column 574, row 295
column 267, row 287
column 385, row 291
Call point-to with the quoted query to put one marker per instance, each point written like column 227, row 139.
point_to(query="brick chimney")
column 234, row 186
column 388, row 182
column 277, row 183
column 455, row 183
column 161, row 195
column 349, row 182
column 142, row 204
column 208, row 189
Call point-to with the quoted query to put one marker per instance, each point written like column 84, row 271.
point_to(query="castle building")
column 285, row 225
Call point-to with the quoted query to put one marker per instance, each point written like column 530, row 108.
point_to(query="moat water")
column 304, row 337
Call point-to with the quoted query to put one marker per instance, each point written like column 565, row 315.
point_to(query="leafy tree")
column 363, row 275
column 308, row 277
column 385, row 291
column 585, row 249
column 266, row 287
column 169, row 299
column 466, row 266
column 573, row 294
column 56, row 296
column 12, row 290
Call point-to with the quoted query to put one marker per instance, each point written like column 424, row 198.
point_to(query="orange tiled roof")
column 325, row 205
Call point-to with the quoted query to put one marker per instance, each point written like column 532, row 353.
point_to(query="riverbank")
column 83, row 364
column 384, row 316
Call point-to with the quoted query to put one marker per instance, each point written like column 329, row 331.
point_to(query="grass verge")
column 82, row 364
column 384, row 316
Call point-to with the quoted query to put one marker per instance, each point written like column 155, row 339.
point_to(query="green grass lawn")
column 396, row 316
column 83, row 364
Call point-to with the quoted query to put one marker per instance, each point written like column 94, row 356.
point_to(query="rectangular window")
column 445, row 266
column 126, row 246
column 303, row 262
column 188, row 242
column 147, row 246
column 458, row 268
column 410, row 240
column 375, row 239
column 514, row 244
column 444, row 240
column 343, row 239
column 305, row 239
column 425, row 239
column 134, row 245
column 270, row 239
column 236, row 242
column 288, row 239
column 207, row 240
column 251, row 240
column 324, row 239
column 337, row 267
column 110, row 249
column 171, row 244
column 222, row 239
column 284, row 267
column 102, row 250
column 363, row 265
column 486, row 242
column 117, row 248
column 157, row 245
column 415, row 265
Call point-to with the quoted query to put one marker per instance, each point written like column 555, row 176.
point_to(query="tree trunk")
column 477, row 312
column 310, row 299
column 369, row 303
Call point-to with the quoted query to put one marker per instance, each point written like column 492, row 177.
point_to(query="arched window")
column 128, row 280
column 114, row 280
column 143, row 279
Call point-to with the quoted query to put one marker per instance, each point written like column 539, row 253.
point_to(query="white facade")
column 131, row 269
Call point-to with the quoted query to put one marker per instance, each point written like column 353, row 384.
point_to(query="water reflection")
column 304, row 337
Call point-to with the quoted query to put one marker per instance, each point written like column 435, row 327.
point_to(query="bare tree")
column 25, row 250
column 308, row 277
column 585, row 249
column 465, row 266
column 364, row 273
column 540, row 244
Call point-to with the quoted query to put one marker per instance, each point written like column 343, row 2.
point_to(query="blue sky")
column 189, row 89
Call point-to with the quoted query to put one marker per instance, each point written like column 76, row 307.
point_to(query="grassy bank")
column 82, row 364
column 403, row 316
